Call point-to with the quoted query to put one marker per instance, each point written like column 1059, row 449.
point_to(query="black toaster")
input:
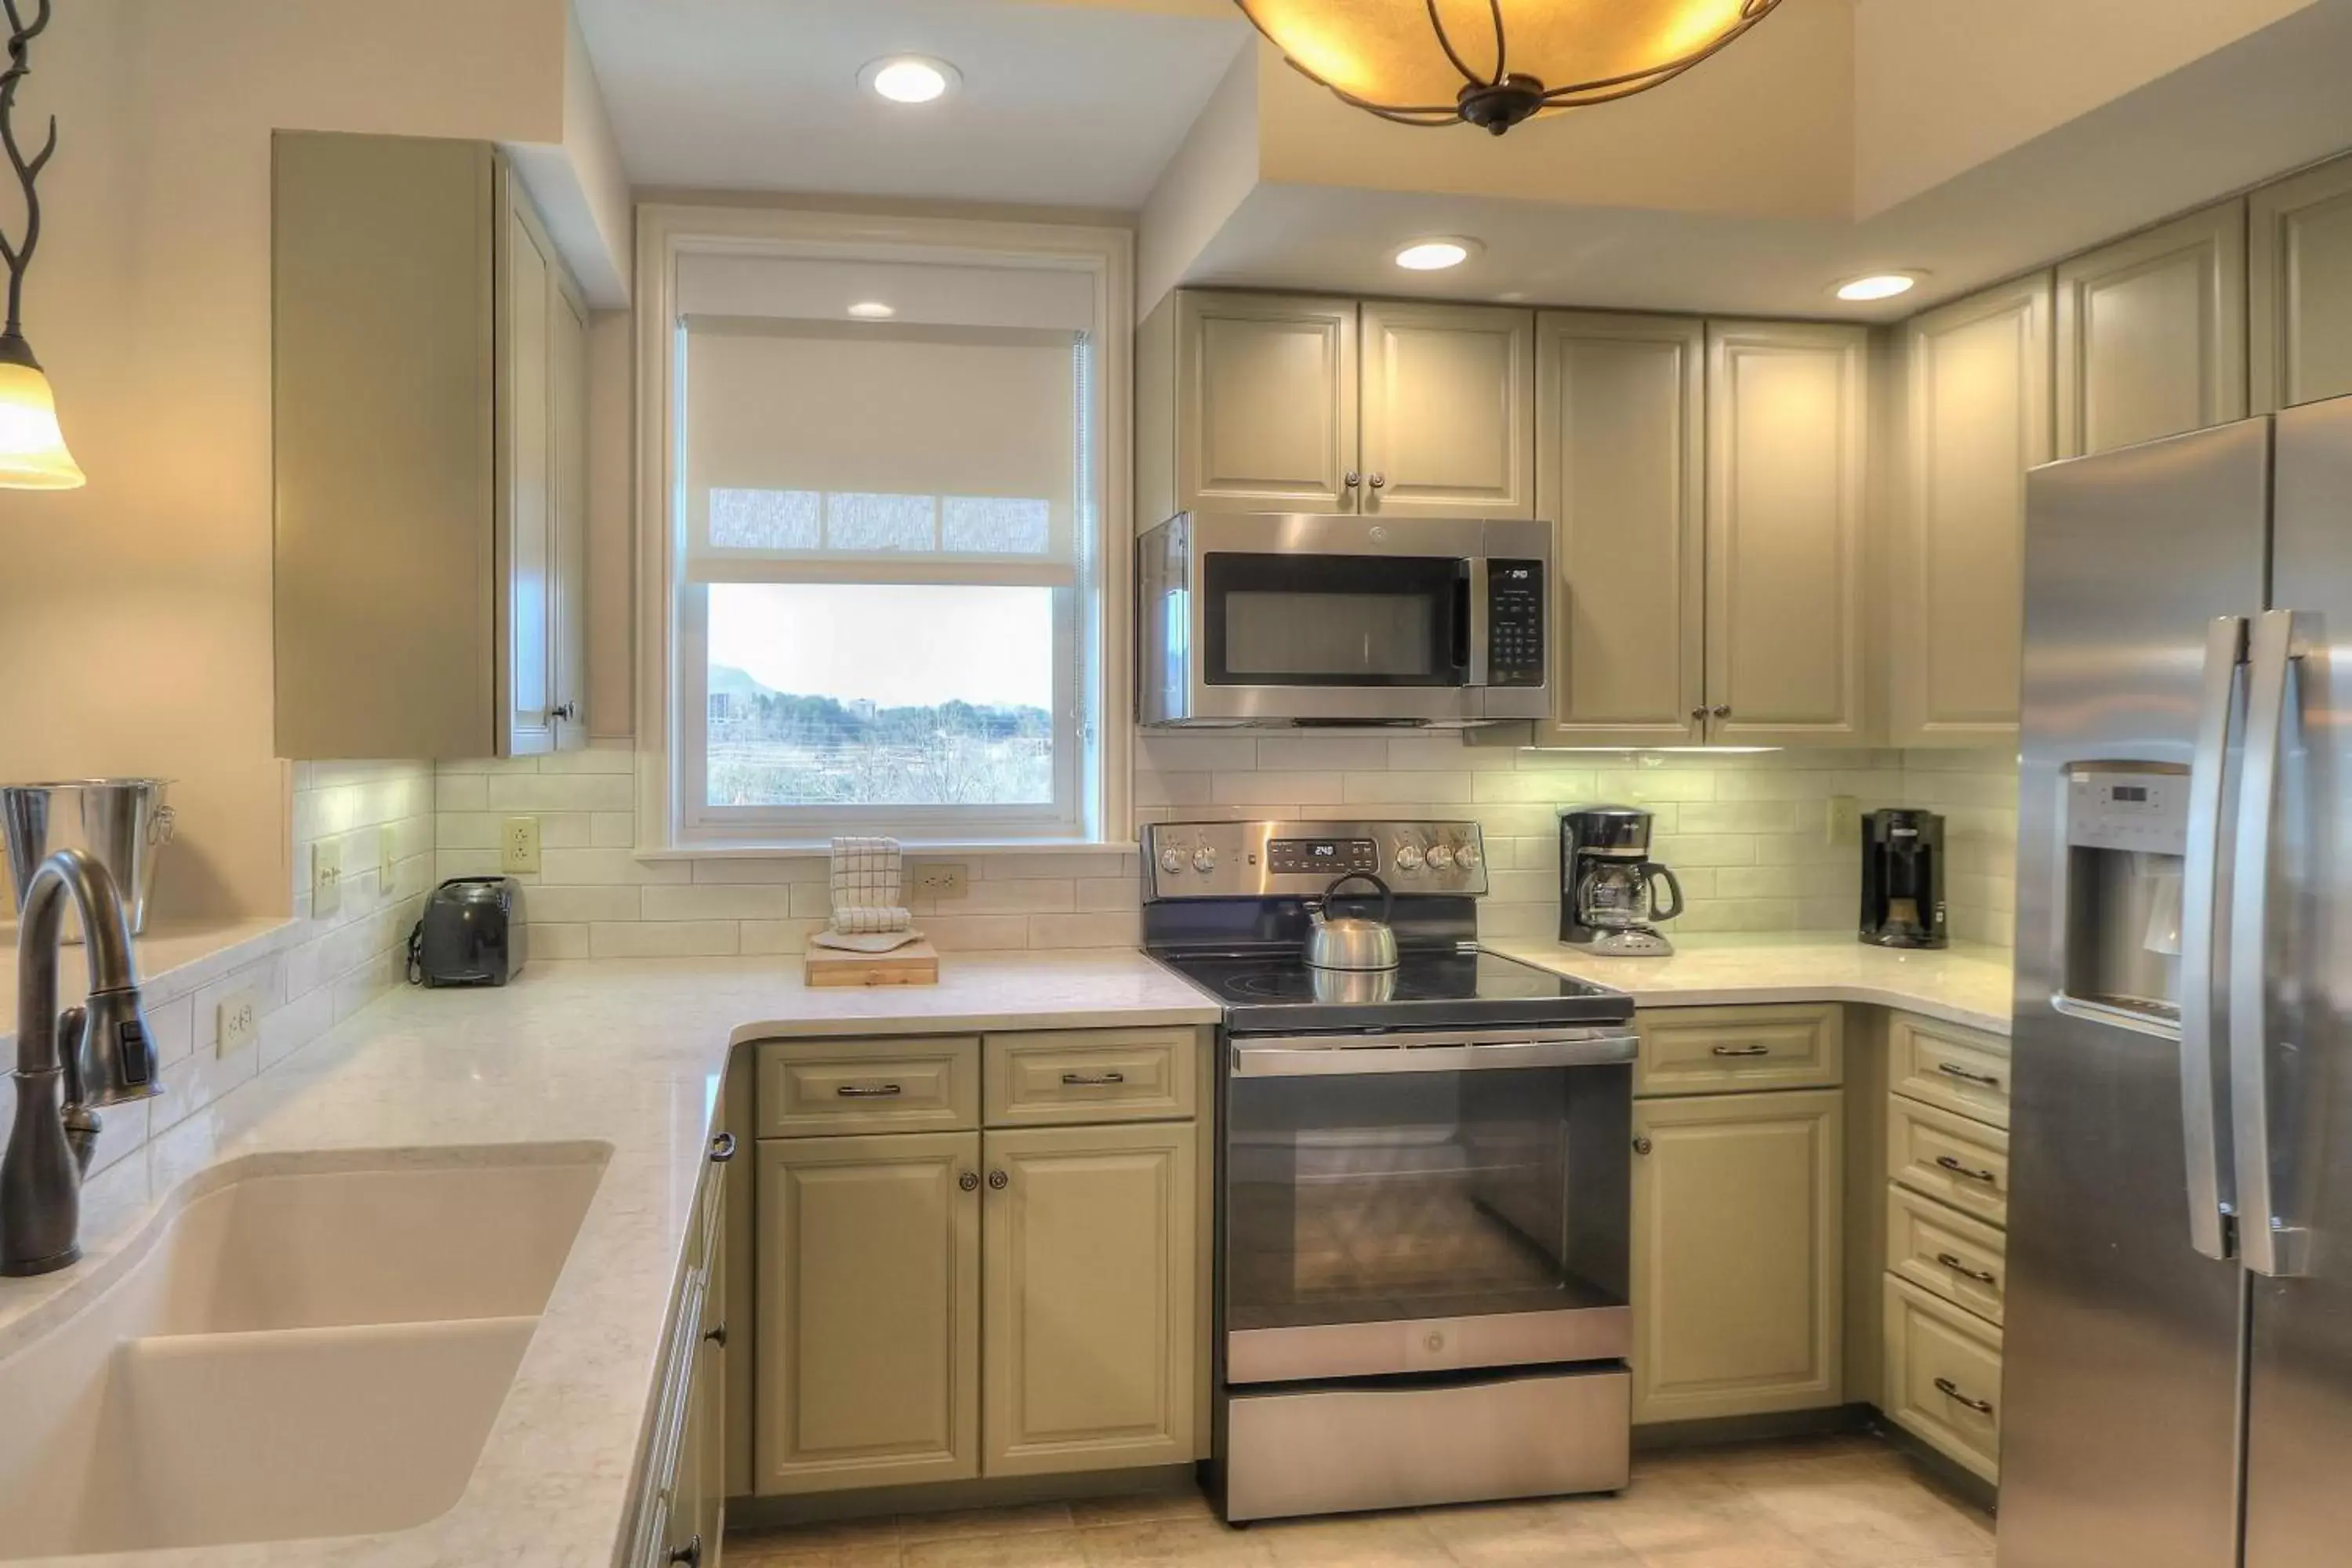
column 472, row 933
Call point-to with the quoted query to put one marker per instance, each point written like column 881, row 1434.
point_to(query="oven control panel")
column 1294, row 859
column 1515, row 622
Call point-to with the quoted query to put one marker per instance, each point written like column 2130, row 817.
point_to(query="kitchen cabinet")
column 2152, row 333
column 1785, row 478
column 1089, row 1256
column 1283, row 402
column 1620, row 422
column 1737, row 1254
column 678, row 1513
column 980, row 1257
column 1980, row 416
column 429, row 438
column 1943, row 1376
column 2299, row 284
column 1729, row 1050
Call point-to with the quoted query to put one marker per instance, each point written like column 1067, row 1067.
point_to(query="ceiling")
column 1076, row 105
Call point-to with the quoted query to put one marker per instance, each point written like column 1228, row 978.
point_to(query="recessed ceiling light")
column 909, row 79
column 1435, row 255
column 872, row 310
column 1877, row 286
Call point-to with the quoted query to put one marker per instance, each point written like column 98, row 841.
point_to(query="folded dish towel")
column 869, row 910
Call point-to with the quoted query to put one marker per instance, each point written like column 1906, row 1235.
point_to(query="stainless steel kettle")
column 1351, row 941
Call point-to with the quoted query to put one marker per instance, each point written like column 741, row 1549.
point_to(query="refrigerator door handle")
column 2211, row 1187
column 2268, row 1248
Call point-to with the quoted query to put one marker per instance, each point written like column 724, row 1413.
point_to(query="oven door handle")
column 1274, row 1058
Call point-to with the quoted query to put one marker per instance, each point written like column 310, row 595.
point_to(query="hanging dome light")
column 1495, row 62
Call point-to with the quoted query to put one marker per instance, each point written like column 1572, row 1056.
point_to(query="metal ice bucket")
column 121, row 822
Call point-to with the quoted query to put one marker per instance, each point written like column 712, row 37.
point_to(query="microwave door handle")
column 2211, row 1191
column 1470, row 589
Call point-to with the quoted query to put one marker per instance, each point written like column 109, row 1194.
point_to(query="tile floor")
column 1834, row 1503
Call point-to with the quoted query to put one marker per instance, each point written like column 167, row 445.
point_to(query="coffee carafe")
column 1609, row 888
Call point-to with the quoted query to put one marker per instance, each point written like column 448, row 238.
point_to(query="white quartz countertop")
column 1959, row 984
column 626, row 1054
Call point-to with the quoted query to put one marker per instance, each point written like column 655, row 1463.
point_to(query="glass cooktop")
column 1427, row 989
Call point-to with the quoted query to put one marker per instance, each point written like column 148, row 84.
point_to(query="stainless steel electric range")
column 1423, row 1198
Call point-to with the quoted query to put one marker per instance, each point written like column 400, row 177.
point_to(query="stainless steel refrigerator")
column 2178, row 1382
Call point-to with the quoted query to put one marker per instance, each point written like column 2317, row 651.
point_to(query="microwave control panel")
column 1515, row 622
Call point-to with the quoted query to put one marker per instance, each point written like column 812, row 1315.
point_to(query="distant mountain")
column 736, row 682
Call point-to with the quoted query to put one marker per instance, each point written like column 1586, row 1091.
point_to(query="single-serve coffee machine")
column 1608, row 883
column 1903, row 879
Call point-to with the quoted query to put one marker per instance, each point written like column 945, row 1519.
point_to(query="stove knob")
column 1204, row 858
column 1467, row 856
column 1441, row 857
column 1409, row 857
column 1171, row 859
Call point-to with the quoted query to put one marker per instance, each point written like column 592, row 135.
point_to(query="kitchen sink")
column 291, row 1352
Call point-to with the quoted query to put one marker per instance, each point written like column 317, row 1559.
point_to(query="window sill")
column 818, row 850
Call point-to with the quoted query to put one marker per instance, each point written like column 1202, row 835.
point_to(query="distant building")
column 723, row 707
column 861, row 709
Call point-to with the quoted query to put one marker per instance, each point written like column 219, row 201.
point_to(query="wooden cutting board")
column 917, row 964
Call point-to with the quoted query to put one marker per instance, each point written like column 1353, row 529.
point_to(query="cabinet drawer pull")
column 1743, row 1050
column 1964, row 1076
column 1950, row 1390
column 716, row 1335
column 869, row 1091
column 690, row 1554
column 722, row 1148
column 1981, row 1276
column 1092, row 1079
column 1970, row 1172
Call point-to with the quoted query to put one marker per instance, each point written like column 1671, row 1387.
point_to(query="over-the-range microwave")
column 1277, row 619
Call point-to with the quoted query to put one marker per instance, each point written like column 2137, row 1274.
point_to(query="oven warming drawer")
column 1427, row 1344
column 1339, row 1450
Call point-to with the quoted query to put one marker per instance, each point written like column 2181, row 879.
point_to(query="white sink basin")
column 291, row 1354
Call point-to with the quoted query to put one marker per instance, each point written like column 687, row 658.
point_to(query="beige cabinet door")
column 1621, row 454
column 2299, row 277
column 869, row 1359
column 1784, row 497
column 2152, row 333
column 1091, row 1266
column 1980, row 416
column 527, row 463
column 1448, row 410
column 568, row 577
column 1265, row 404
column 1737, row 1254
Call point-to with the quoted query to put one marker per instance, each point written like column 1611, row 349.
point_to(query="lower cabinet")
column 679, row 1510
column 1737, row 1254
column 1943, row 1375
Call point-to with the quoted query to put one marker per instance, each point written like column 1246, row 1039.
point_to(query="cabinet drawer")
column 1943, row 1376
column 821, row 1088
column 1944, row 1251
column 1960, row 1070
column 1965, row 1163
column 1089, row 1075
column 1717, row 1050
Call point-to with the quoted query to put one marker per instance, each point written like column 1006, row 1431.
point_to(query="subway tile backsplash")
column 1747, row 832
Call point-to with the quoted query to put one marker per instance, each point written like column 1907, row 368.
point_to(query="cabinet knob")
column 1721, row 711
column 1378, row 480
column 722, row 1148
column 968, row 1181
column 1698, row 714
column 998, row 1181
column 718, row 1336
column 1352, row 478
column 690, row 1554
column 569, row 710
column 1643, row 1146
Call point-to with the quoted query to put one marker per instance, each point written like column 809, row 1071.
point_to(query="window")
column 885, row 570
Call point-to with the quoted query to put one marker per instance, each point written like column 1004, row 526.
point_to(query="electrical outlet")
column 387, row 860
column 326, row 878
column 939, row 879
column 518, row 845
column 1845, row 821
column 240, row 1021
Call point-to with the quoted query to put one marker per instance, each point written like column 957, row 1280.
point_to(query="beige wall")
column 135, row 614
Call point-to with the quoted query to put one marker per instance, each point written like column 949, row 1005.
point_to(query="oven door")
column 1421, row 1203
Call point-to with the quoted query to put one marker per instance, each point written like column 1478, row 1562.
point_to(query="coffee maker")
column 1903, row 879
column 1608, row 883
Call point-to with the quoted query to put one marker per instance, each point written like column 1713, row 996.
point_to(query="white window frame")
column 1093, row 720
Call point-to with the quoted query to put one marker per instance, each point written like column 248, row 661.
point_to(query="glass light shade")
column 1495, row 62
column 33, row 454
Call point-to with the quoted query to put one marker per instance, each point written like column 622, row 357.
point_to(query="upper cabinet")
column 1980, row 408
column 1785, row 474
column 2152, row 333
column 1620, row 422
column 430, row 456
column 1280, row 403
column 2299, row 244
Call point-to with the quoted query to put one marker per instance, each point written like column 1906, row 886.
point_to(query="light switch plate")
column 518, row 845
column 387, row 859
column 326, row 878
column 240, row 1021
column 939, row 879
column 1845, row 821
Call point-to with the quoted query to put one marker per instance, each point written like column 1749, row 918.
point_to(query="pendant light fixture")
column 1495, row 62
column 33, row 454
